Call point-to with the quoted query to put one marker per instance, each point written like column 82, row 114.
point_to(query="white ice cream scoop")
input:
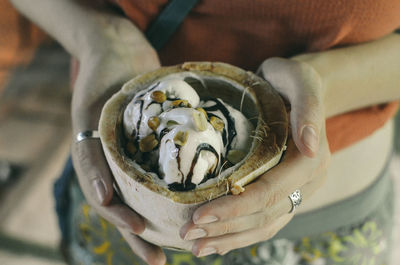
column 187, row 154
column 144, row 105
column 192, row 139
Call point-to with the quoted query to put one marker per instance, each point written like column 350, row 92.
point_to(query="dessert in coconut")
column 183, row 135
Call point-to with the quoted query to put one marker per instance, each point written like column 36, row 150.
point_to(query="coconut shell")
column 166, row 211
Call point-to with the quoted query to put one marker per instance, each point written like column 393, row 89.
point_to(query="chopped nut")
column 217, row 123
column 131, row 148
column 153, row 123
column 181, row 103
column 236, row 189
column 181, row 138
column 148, row 143
column 172, row 123
column 234, row 156
column 158, row 96
column 200, row 121
column 203, row 111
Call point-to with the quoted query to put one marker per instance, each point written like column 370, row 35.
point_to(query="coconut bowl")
column 166, row 211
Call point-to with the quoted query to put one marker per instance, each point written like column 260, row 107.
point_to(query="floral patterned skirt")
column 89, row 239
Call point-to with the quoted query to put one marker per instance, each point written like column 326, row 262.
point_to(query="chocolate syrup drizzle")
column 140, row 117
column 229, row 119
column 228, row 133
column 178, row 160
column 187, row 184
column 163, row 133
column 141, row 102
column 201, row 147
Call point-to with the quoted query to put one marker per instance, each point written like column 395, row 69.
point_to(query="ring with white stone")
column 295, row 199
column 87, row 135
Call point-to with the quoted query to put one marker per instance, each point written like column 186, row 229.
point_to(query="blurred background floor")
column 35, row 137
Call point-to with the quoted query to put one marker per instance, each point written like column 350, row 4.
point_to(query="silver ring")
column 295, row 199
column 86, row 135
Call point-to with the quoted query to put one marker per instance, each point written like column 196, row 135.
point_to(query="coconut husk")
column 166, row 211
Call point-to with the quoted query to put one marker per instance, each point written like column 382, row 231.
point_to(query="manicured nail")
column 100, row 190
column 205, row 220
column 195, row 233
column 310, row 138
column 207, row 251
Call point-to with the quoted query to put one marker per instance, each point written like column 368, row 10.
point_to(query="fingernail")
column 100, row 190
column 205, row 220
column 207, row 251
column 310, row 138
column 195, row 233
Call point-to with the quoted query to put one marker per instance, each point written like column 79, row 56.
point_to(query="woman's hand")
column 110, row 51
column 121, row 52
column 257, row 214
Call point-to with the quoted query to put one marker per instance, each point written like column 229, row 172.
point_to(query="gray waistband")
column 346, row 212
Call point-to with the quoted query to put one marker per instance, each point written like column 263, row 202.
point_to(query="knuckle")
column 95, row 178
column 233, row 206
column 227, row 228
column 264, row 197
column 307, row 71
column 307, row 113
column 271, row 200
column 273, row 197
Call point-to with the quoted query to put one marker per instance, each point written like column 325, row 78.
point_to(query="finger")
column 96, row 182
column 151, row 254
column 306, row 119
column 94, row 174
column 269, row 189
column 192, row 231
column 319, row 177
column 301, row 85
column 226, row 243
column 122, row 216
column 296, row 172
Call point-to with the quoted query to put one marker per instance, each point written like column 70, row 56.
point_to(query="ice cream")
column 184, row 140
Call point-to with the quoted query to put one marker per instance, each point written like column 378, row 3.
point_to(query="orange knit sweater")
column 245, row 33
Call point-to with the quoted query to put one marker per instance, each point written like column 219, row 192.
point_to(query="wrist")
column 94, row 42
column 100, row 75
column 110, row 35
column 357, row 76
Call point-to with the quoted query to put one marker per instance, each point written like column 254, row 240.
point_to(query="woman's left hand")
column 257, row 214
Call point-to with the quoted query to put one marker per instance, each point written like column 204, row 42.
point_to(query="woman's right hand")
column 121, row 52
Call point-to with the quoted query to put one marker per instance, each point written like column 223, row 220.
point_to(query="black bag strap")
column 167, row 22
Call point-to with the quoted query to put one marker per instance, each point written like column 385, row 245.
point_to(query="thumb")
column 307, row 120
column 301, row 85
